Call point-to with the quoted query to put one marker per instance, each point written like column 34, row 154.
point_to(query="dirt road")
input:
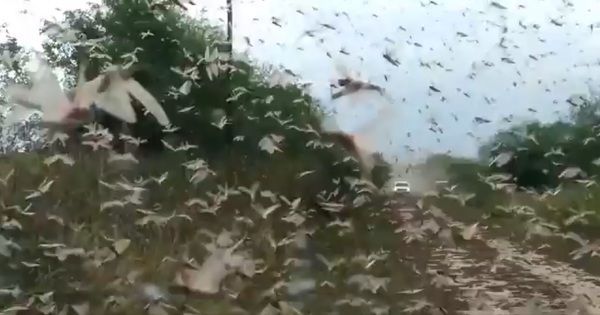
column 490, row 275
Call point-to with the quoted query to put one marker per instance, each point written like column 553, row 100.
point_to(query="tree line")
column 168, row 45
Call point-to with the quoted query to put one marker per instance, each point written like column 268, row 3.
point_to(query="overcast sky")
column 551, row 62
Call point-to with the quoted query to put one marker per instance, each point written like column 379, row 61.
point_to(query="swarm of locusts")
column 294, row 235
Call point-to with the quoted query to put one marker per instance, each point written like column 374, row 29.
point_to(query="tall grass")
column 63, row 241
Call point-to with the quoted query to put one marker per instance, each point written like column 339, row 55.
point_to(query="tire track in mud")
column 492, row 275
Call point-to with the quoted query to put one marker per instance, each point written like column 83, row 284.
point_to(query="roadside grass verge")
column 94, row 233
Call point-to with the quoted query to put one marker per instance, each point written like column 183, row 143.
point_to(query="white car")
column 401, row 186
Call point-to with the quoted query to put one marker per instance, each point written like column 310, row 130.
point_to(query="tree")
column 167, row 42
column 536, row 154
column 176, row 52
column 19, row 136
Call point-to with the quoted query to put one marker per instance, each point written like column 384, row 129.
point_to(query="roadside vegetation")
column 552, row 167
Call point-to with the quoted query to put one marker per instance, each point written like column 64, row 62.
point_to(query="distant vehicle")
column 401, row 186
